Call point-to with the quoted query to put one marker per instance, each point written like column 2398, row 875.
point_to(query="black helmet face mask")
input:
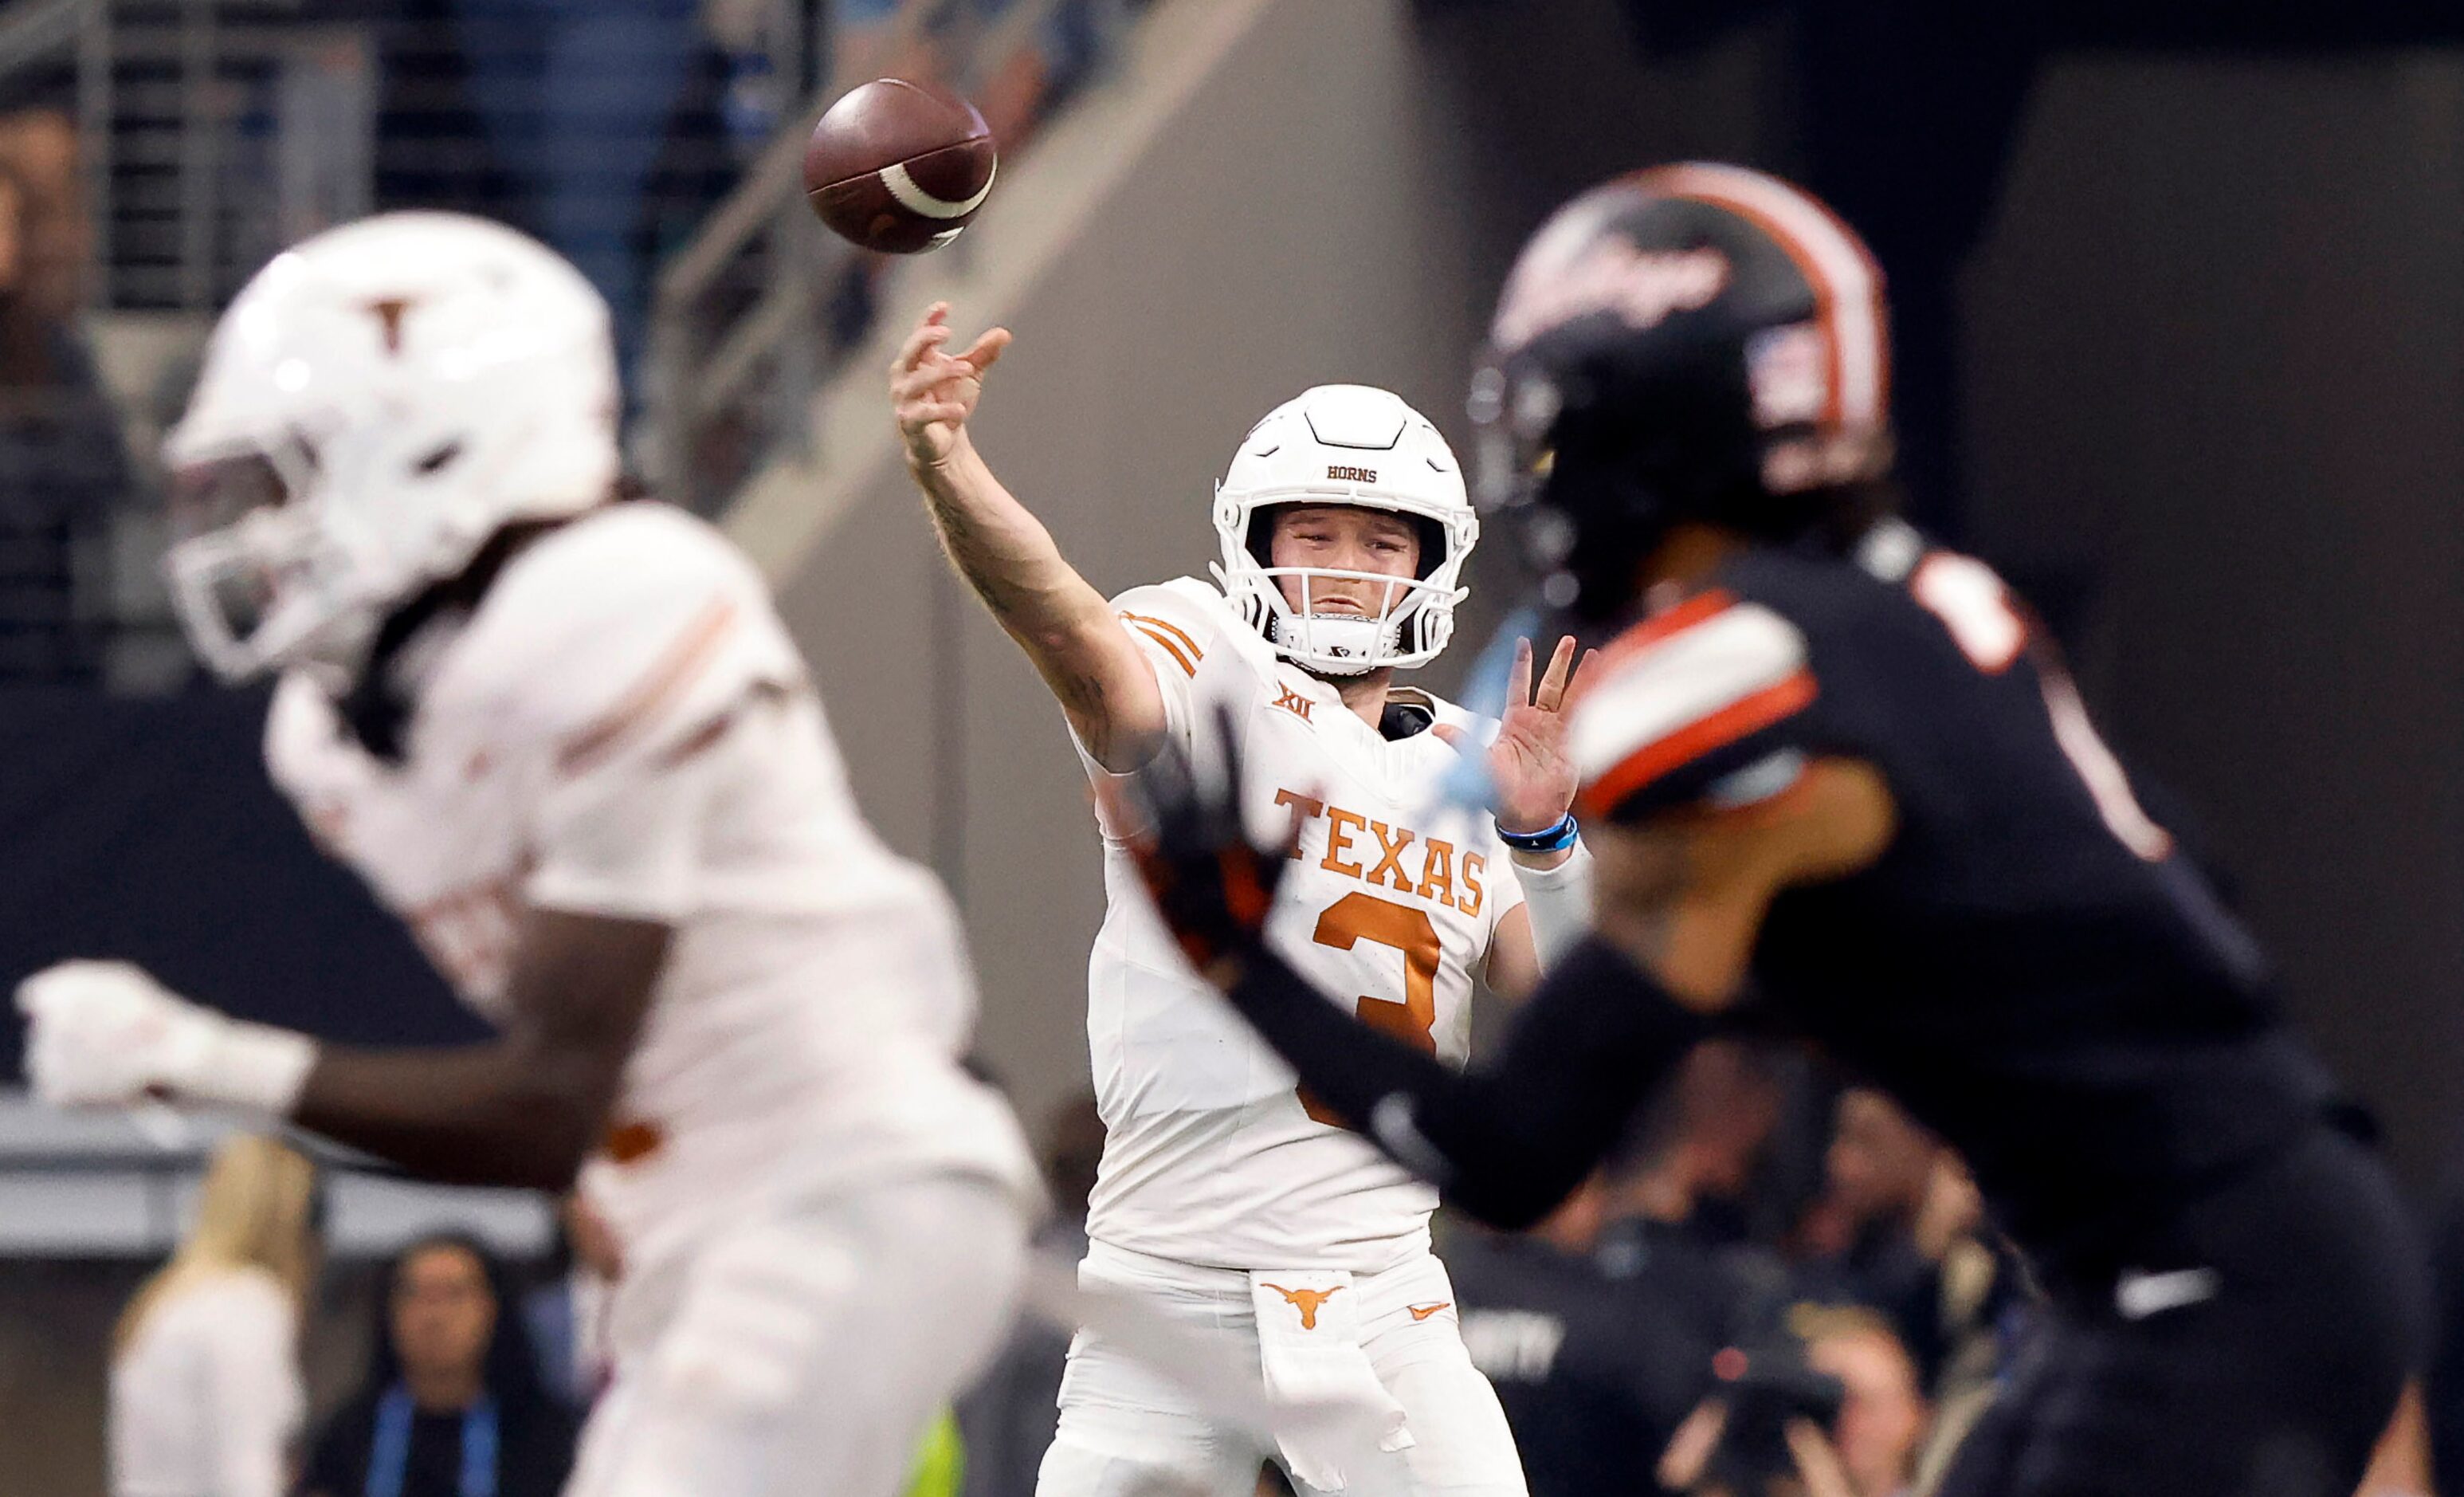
column 1511, row 421
column 1515, row 421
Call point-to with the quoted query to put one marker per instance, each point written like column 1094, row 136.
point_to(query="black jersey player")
column 1833, row 765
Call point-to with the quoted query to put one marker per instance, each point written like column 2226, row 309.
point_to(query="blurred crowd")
column 1699, row 1317
column 1776, row 1285
column 461, row 1391
column 609, row 128
column 478, row 1371
column 1779, row 1287
column 62, row 464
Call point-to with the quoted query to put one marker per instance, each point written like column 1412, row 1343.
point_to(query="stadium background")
column 2180, row 302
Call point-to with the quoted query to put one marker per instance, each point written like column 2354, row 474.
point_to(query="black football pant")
column 2252, row 1346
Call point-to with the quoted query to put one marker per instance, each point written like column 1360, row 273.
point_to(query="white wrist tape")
column 1559, row 902
column 240, row 1064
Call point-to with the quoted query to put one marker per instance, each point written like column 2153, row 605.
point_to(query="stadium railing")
column 761, row 307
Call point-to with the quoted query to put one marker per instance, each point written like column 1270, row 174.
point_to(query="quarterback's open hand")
column 1534, row 776
column 932, row 391
column 1211, row 885
column 105, row 1034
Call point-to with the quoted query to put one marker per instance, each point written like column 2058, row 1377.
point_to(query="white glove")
column 105, row 1034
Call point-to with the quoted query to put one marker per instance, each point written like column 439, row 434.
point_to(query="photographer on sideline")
column 1834, row 1411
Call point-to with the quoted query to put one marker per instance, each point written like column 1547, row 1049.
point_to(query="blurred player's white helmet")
column 379, row 401
column 1349, row 444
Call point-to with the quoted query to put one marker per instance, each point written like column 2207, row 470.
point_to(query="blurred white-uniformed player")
column 1227, row 1197
column 565, row 737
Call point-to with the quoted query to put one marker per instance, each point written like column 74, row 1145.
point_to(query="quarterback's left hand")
column 1211, row 885
column 1533, row 774
column 105, row 1034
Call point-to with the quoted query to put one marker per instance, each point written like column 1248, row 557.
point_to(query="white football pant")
column 1129, row 1431
column 809, row 1346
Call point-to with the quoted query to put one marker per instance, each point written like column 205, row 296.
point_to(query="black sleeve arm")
column 1509, row 1141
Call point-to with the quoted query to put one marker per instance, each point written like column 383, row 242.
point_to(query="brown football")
column 899, row 166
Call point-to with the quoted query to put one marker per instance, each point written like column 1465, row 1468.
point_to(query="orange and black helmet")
column 1691, row 342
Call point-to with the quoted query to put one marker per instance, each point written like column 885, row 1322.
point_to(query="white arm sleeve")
column 1559, row 903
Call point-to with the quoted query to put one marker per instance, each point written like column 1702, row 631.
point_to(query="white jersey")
column 623, row 728
column 206, row 1398
column 1211, row 1155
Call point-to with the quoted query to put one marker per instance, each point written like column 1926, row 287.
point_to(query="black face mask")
column 1593, row 520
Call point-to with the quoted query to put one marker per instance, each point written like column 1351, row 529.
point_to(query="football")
column 899, row 166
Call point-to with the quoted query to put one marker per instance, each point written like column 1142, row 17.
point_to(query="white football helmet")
column 378, row 402
column 1349, row 445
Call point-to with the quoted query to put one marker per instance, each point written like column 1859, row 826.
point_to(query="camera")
column 1764, row 1390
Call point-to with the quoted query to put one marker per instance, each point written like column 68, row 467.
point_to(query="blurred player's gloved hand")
column 105, row 1034
column 1211, row 885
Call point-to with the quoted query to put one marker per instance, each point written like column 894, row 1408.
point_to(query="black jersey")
column 1595, row 1369
column 2030, row 966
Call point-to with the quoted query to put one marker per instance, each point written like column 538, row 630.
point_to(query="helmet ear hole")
column 1261, row 540
column 1433, row 544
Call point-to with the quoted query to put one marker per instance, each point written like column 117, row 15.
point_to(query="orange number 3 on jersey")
column 1360, row 918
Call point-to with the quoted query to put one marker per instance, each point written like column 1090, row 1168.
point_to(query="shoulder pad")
column 1685, row 699
column 627, row 626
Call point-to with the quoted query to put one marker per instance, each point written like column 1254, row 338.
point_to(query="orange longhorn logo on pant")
column 1309, row 1302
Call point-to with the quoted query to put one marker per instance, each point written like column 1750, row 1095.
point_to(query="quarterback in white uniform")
column 565, row 737
column 1227, row 1197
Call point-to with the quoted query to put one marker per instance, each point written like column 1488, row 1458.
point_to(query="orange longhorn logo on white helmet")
column 378, row 402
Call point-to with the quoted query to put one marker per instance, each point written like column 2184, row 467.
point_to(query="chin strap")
column 1380, row 636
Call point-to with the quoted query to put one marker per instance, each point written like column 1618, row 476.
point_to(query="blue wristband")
column 1549, row 839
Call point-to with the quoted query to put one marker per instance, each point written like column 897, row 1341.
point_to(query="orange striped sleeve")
column 664, row 682
column 1638, row 638
column 1699, row 608
column 1679, row 689
column 1739, row 720
column 1169, row 628
column 1173, row 640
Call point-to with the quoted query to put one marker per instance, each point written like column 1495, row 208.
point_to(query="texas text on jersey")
column 1211, row 1154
